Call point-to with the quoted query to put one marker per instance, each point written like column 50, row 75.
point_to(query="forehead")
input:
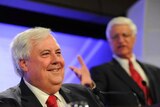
column 121, row 27
column 47, row 42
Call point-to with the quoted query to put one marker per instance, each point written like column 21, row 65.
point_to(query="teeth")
column 55, row 69
column 56, row 66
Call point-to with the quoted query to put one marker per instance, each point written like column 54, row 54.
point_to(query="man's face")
column 122, row 40
column 45, row 66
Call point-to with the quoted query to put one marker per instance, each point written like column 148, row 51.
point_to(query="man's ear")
column 23, row 65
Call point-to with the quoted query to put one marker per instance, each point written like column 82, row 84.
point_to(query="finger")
column 76, row 70
column 80, row 59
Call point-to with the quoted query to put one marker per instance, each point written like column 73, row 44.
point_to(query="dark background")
column 104, row 9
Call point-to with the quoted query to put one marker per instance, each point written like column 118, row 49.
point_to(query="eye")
column 114, row 37
column 126, row 35
column 58, row 52
column 45, row 53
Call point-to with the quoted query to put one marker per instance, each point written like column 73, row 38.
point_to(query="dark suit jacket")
column 118, row 88
column 22, row 96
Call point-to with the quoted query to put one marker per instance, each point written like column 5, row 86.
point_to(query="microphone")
column 144, row 83
column 146, row 89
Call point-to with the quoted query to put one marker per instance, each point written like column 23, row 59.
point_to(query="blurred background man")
column 124, row 80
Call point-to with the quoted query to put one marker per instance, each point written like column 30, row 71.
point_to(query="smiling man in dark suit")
column 37, row 58
column 124, row 81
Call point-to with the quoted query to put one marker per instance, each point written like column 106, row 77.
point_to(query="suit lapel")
column 152, row 82
column 71, row 95
column 121, row 73
column 28, row 99
column 66, row 93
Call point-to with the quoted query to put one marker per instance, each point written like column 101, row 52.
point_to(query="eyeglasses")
column 118, row 36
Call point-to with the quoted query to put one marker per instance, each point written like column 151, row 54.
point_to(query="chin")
column 54, row 89
column 57, row 80
column 122, row 55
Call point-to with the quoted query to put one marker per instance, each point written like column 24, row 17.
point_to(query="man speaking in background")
column 124, row 81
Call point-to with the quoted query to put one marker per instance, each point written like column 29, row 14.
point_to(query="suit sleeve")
column 99, row 77
column 8, row 102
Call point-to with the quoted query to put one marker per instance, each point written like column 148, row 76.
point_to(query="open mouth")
column 54, row 69
column 121, row 46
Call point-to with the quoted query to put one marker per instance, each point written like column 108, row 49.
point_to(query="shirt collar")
column 124, row 60
column 41, row 96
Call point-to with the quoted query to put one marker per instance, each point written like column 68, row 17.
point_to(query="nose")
column 54, row 59
column 121, row 38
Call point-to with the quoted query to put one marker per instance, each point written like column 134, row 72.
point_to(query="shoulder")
column 10, row 97
column 10, row 92
column 149, row 66
column 77, row 92
column 108, row 66
column 101, row 66
column 151, row 70
column 75, row 87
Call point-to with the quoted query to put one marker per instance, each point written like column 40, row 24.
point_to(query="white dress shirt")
column 124, row 63
column 42, row 96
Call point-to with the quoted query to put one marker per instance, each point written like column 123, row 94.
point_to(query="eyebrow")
column 58, row 49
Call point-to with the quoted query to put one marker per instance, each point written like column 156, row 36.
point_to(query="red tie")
column 51, row 101
column 138, row 79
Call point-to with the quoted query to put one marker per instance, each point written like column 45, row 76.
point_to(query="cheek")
column 132, row 44
column 113, row 45
column 61, row 59
column 132, row 41
column 63, row 62
column 39, row 65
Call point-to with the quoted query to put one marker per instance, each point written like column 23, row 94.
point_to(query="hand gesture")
column 82, row 73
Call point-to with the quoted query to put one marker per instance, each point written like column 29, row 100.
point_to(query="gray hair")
column 21, row 45
column 118, row 21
